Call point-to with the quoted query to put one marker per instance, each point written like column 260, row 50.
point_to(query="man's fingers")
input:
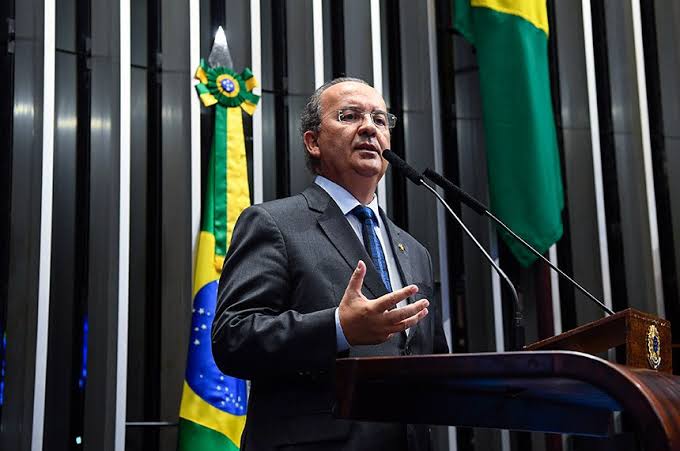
column 389, row 300
column 357, row 278
column 408, row 322
column 401, row 314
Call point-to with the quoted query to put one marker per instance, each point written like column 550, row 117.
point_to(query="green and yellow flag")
column 213, row 409
column 525, row 184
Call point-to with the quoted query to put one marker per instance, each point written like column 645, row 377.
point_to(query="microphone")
column 480, row 208
column 408, row 171
column 403, row 167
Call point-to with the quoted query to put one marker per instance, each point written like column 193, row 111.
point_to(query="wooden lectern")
column 560, row 391
column 630, row 328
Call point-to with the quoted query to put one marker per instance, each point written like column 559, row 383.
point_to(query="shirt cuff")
column 340, row 340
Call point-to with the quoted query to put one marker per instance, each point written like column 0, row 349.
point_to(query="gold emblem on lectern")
column 653, row 347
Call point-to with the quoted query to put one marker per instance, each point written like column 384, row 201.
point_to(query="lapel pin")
column 401, row 247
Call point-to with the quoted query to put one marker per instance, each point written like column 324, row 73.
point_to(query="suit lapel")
column 401, row 255
column 342, row 236
column 400, row 252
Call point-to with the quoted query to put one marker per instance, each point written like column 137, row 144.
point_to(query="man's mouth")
column 368, row 146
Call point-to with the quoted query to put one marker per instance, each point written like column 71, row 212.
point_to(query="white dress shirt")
column 346, row 201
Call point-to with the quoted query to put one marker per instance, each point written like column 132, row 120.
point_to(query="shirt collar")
column 345, row 200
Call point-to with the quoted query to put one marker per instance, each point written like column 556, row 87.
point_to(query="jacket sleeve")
column 255, row 332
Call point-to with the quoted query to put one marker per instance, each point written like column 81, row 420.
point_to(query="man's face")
column 350, row 154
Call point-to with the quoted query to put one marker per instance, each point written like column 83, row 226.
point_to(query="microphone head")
column 402, row 167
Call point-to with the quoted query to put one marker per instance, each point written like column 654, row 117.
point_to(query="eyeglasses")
column 381, row 119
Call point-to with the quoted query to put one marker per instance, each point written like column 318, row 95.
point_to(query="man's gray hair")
column 310, row 118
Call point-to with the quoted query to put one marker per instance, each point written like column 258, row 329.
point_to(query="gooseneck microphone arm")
column 518, row 320
column 483, row 210
column 410, row 173
column 549, row 263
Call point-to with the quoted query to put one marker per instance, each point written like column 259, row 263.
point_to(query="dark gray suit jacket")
column 287, row 268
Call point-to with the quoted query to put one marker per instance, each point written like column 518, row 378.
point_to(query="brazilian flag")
column 213, row 409
column 525, row 184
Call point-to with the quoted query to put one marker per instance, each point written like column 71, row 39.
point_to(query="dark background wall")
column 81, row 387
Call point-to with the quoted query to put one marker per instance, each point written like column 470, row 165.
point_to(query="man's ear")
column 311, row 142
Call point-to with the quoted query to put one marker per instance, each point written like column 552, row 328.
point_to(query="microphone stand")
column 413, row 175
column 482, row 209
column 548, row 262
column 518, row 317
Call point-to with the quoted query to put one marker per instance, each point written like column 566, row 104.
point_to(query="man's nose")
column 367, row 126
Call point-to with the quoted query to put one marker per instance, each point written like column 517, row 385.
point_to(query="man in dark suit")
column 321, row 275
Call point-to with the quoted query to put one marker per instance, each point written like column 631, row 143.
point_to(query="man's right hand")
column 370, row 321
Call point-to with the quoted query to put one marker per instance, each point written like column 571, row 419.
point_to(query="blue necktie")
column 368, row 222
